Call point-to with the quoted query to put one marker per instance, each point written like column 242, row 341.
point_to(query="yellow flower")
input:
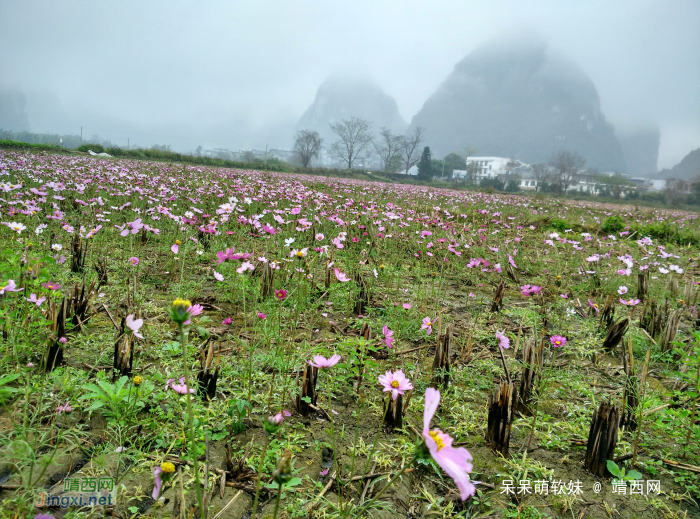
column 137, row 380
column 177, row 242
column 167, row 468
column 182, row 302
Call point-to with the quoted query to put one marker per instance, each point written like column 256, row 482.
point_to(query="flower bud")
column 283, row 472
column 178, row 311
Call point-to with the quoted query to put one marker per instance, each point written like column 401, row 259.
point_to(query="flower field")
column 236, row 344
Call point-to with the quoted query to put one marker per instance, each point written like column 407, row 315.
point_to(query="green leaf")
column 612, row 467
column 8, row 378
column 306, row 399
column 634, row 474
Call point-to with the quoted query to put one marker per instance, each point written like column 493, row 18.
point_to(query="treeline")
column 158, row 153
column 53, row 139
column 161, row 153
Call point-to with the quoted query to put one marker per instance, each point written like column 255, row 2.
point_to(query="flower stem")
column 190, row 414
column 371, row 502
column 277, row 503
column 263, row 454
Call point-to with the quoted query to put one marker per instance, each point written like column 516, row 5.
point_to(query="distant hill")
column 640, row 146
column 513, row 97
column 13, row 115
column 686, row 169
column 342, row 97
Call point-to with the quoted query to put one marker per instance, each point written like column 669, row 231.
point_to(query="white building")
column 488, row 167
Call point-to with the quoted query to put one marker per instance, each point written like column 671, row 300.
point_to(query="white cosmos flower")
column 17, row 227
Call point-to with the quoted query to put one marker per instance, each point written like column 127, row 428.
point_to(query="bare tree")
column 540, row 173
column 566, row 166
column 354, row 137
column 388, row 146
column 409, row 147
column 307, row 144
column 675, row 189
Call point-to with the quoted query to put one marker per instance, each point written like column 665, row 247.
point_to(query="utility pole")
column 128, row 144
column 81, row 135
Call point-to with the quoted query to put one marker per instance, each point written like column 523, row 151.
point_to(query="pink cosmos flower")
column 193, row 311
column 246, row 265
column 178, row 388
column 427, row 325
column 63, row 340
column 322, row 362
column 227, row 321
column 319, row 237
column 158, row 482
column 557, row 340
column 528, row 290
column 503, row 341
column 11, row 287
column 262, row 315
column 631, row 302
column 456, row 462
column 341, row 276
column 281, row 294
column 50, row 286
column 33, row 299
column 395, row 382
column 564, row 296
column 134, row 325
column 134, row 260
column 218, row 276
column 406, row 306
column 388, row 336
column 175, row 248
column 286, row 413
column 276, row 420
column 65, row 408
column 622, row 290
column 591, row 304
column 225, row 255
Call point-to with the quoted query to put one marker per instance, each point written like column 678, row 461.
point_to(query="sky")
column 239, row 74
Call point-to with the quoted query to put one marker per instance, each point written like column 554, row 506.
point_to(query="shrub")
column 97, row 148
column 559, row 224
column 613, row 224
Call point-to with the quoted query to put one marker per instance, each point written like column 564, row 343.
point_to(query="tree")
column 388, row 146
column 674, row 190
column 453, row 161
column 425, row 166
column 409, row 145
column 566, row 166
column 307, row 144
column 354, row 137
column 540, row 173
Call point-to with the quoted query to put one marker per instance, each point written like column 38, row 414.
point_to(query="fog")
column 239, row 75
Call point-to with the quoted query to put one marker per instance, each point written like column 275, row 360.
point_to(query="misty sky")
column 239, row 74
